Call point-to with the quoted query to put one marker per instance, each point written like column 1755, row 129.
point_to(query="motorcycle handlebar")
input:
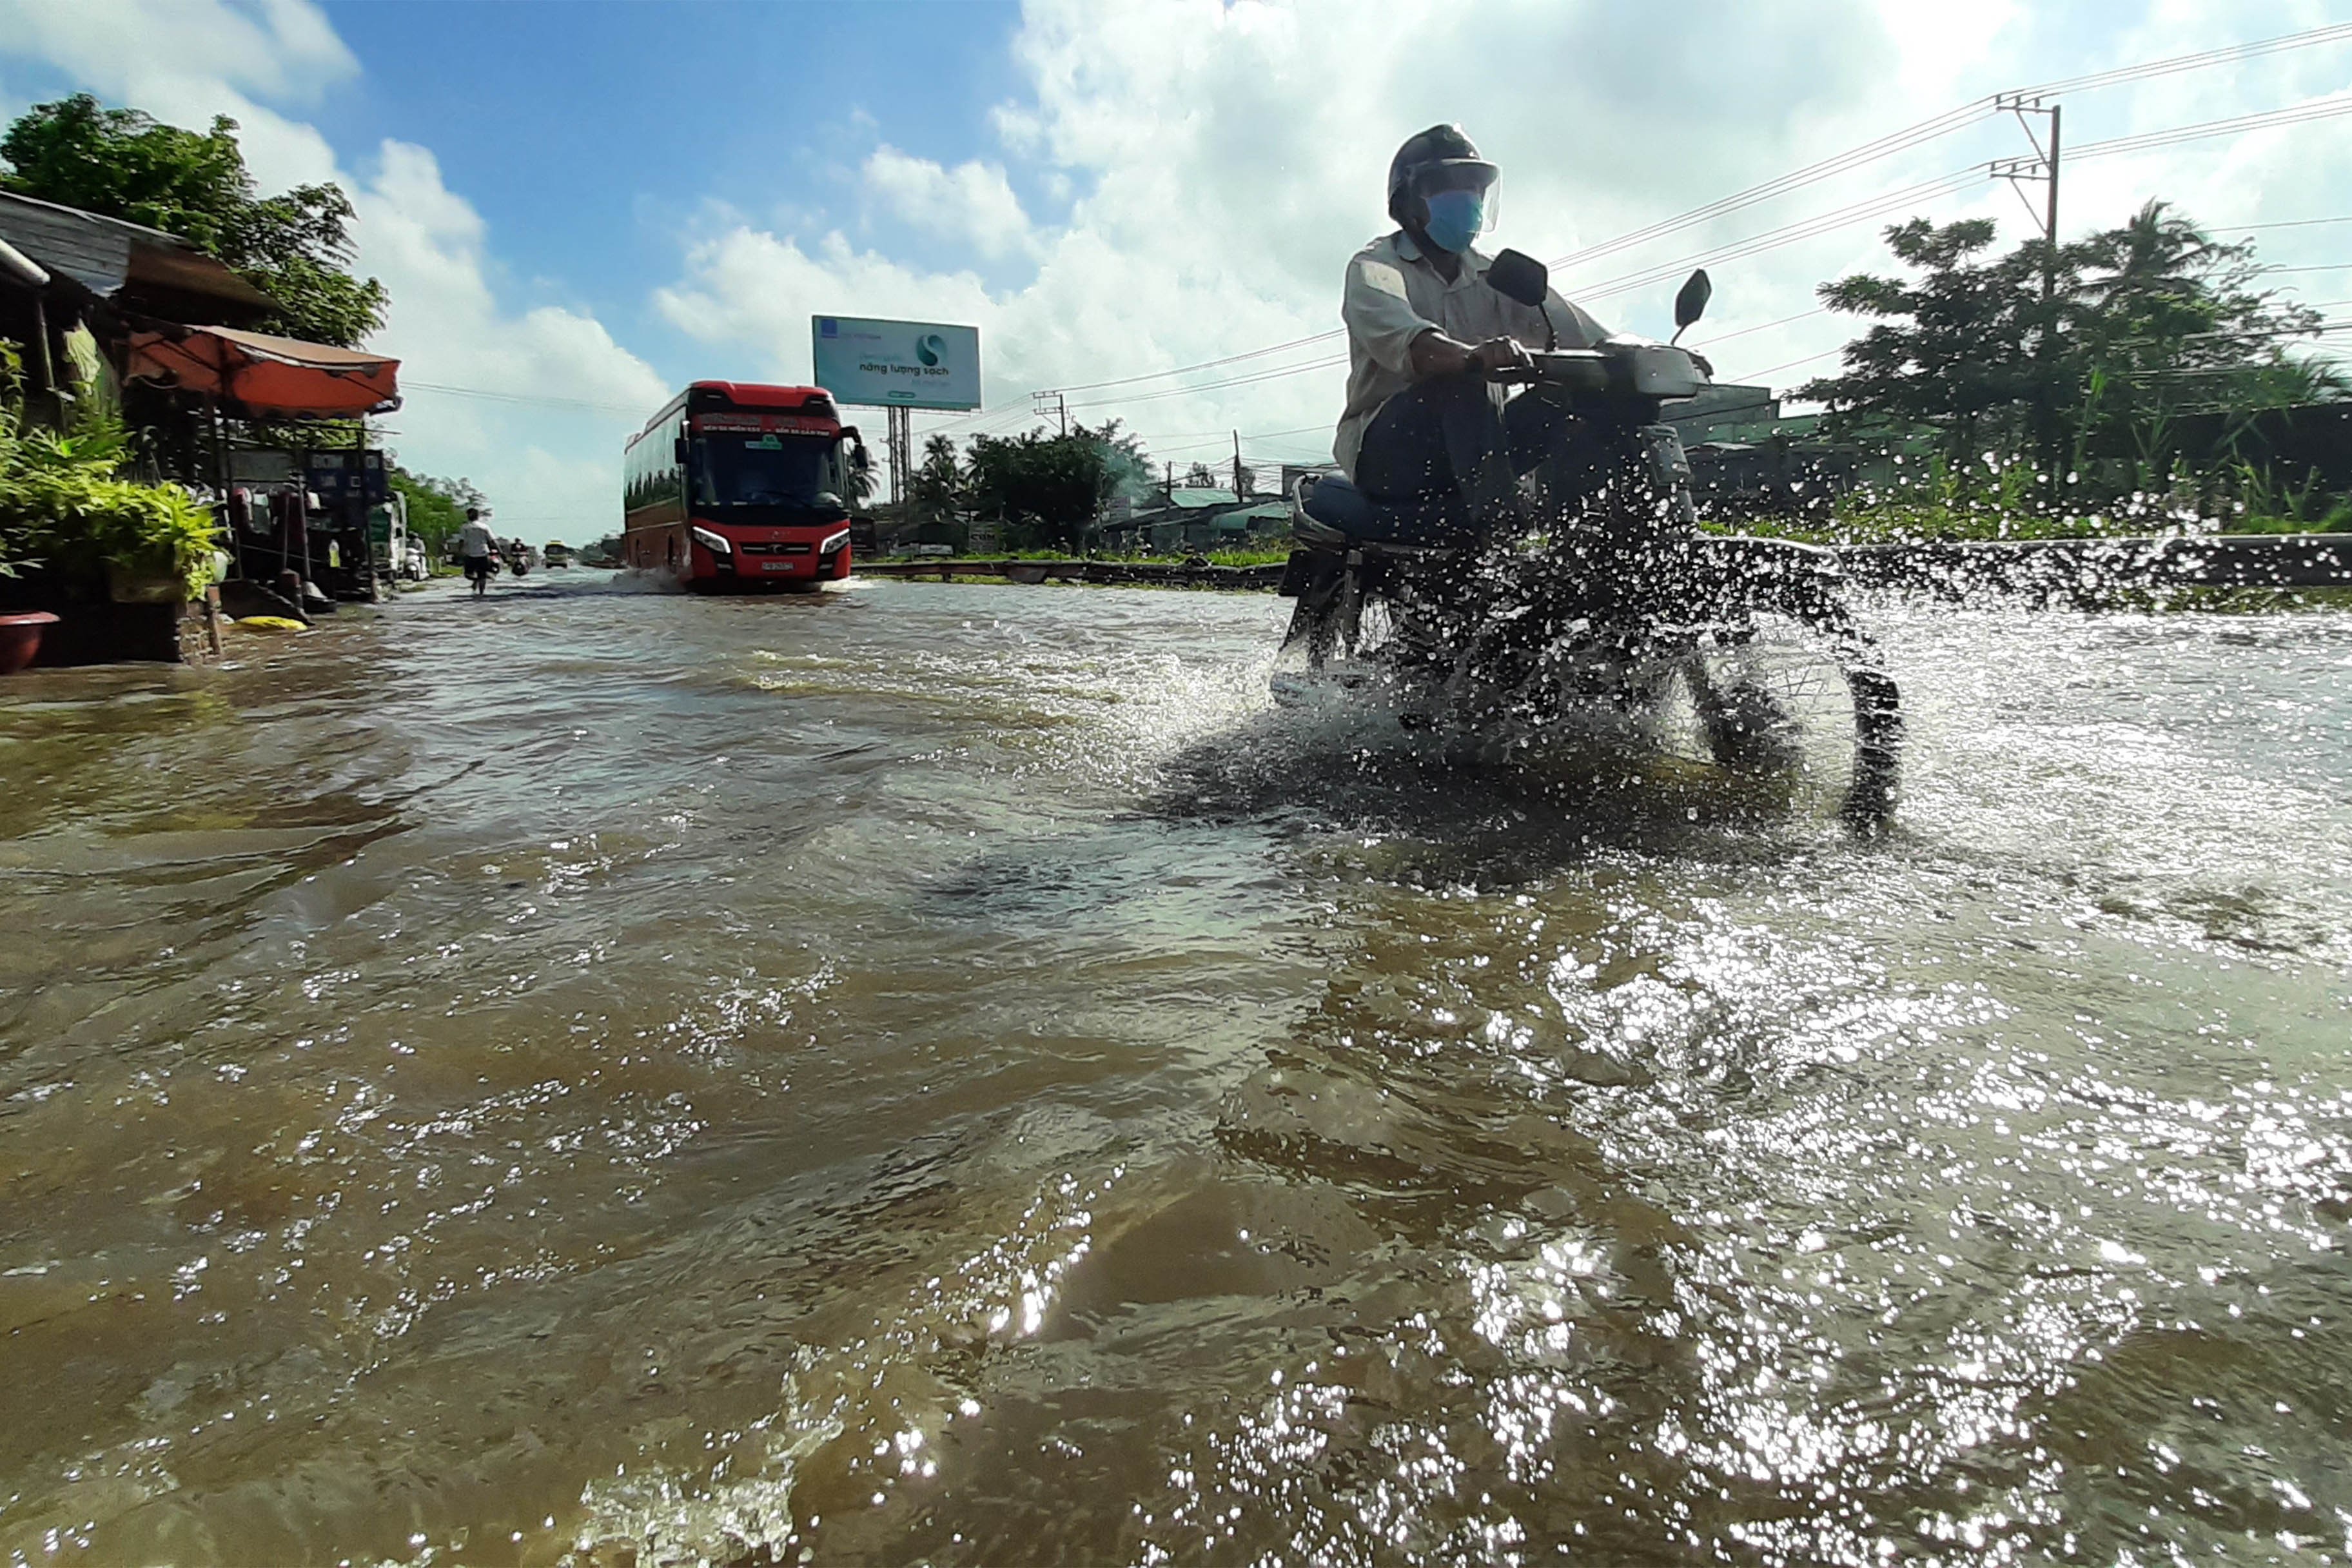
column 1582, row 370
column 1603, row 369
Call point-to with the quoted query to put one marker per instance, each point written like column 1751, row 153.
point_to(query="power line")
column 2177, row 63
column 1884, row 146
column 1789, row 233
column 1331, row 362
column 1221, row 436
column 2297, row 223
column 2318, row 109
column 1807, row 228
column 1767, row 326
column 1823, row 223
column 1755, row 376
column 1207, row 365
column 406, row 386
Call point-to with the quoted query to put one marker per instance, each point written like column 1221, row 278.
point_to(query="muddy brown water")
column 949, row 1074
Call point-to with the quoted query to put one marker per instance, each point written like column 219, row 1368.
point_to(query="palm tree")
column 936, row 488
column 2159, row 254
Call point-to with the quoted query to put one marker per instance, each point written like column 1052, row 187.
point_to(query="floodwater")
column 945, row 1075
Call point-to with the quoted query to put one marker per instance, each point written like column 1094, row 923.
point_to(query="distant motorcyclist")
column 476, row 546
column 1426, row 334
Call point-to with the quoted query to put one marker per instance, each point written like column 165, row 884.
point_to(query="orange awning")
column 270, row 375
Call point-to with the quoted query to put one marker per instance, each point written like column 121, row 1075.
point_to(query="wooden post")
column 221, row 482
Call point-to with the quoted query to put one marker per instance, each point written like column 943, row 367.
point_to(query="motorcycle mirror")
column 1690, row 304
column 1516, row 275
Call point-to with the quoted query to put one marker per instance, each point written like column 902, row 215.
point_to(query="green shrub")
column 64, row 510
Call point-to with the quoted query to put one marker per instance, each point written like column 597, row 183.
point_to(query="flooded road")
column 947, row 1075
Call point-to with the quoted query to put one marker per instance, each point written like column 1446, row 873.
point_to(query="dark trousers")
column 1444, row 439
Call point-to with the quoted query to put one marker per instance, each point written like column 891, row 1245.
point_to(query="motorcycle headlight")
column 714, row 543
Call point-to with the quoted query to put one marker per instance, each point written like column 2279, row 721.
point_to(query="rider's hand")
column 1501, row 359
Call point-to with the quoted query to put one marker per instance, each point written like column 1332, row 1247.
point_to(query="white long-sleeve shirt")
column 1393, row 294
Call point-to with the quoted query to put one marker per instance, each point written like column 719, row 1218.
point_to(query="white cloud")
column 148, row 51
column 429, row 246
column 1197, row 173
column 1222, row 162
column 545, row 469
column 972, row 203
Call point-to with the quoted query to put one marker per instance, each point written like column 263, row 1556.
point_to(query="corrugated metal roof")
column 1197, row 499
column 93, row 251
column 102, row 254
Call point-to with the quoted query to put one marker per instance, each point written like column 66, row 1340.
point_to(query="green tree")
column 295, row 246
column 2169, row 321
column 936, row 490
column 1954, row 349
column 1048, row 490
column 2148, row 321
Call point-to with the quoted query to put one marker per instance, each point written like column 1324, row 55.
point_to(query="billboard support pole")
column 900, row 426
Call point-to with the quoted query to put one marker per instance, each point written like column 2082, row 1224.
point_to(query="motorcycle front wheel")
column 1811, row 718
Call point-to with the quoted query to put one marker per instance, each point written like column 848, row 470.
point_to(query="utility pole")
column 2042, row 168
column 1054, row 403
column 1237, row 464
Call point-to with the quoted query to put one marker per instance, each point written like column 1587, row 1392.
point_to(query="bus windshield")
column 766, row 470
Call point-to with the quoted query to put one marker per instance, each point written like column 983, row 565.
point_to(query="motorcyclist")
column 476, row 546
column 1426, row 337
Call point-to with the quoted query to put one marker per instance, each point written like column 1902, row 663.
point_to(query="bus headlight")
column 833, row 543
column 714, row 543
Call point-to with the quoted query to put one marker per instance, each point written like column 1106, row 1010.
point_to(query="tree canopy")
column 936, row 491
column 295, row 246
column 2140, row 325
column 1049, row 489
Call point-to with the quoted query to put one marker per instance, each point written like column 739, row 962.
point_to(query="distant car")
column 555, row 552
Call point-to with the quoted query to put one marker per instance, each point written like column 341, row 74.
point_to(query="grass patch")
column 1270, row 554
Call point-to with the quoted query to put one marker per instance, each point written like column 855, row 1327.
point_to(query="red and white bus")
column 736, row 486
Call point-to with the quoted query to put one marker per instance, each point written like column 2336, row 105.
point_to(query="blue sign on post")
column 902, row 364
column 338, row 476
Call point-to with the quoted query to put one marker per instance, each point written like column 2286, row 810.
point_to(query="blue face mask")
column 1454, row 219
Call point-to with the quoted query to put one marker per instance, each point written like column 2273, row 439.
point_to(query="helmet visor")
column 1475, row 175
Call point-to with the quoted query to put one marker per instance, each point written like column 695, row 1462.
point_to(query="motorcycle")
column 1735, row 653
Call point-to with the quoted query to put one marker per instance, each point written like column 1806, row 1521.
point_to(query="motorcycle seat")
column 1329, row 513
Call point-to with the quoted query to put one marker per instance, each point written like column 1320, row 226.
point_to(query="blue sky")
column 579, row 206
column 594, row 134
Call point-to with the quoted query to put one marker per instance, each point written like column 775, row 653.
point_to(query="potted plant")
column 20, row 638
column 63, row 509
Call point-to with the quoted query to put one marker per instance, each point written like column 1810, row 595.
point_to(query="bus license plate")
column 775, row 565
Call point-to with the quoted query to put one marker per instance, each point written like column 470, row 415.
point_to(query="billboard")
column 908, row 364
